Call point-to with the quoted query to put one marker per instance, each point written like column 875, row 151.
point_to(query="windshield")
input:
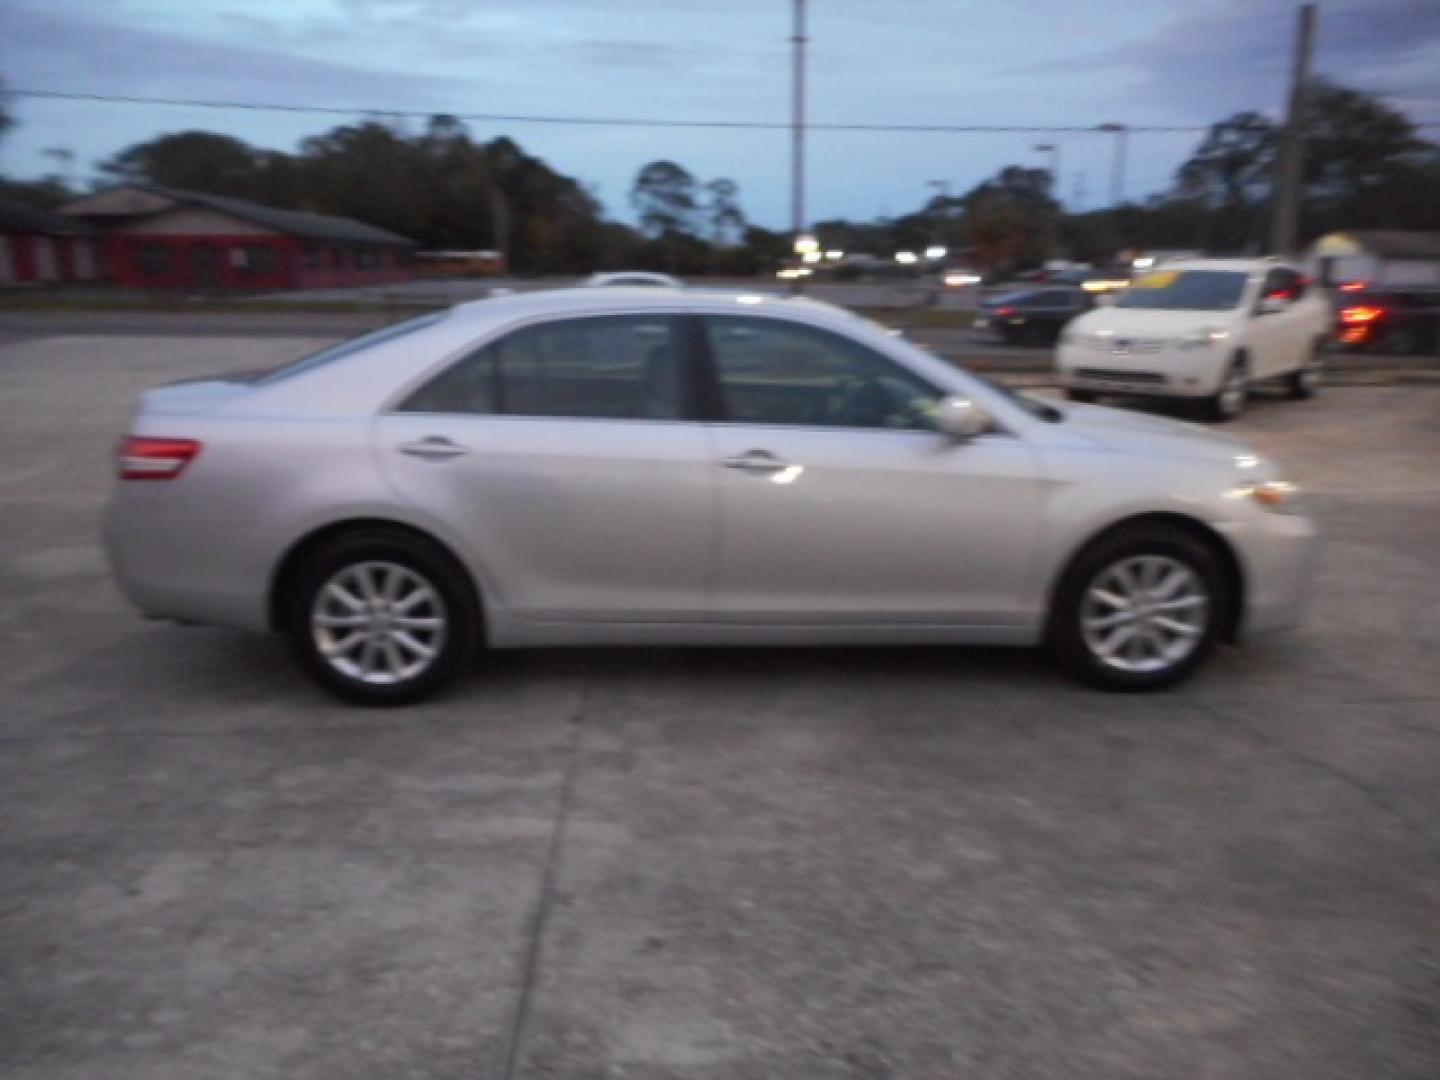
column 1186, row 290
column 348, row 348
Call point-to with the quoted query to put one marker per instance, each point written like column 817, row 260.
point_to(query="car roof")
column 1243, row 266
column 580, row 300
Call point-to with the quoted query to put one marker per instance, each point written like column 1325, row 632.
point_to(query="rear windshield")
column 348, row 348
column 1185, row 290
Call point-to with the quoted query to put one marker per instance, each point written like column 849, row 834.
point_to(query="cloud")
column 1236, row 54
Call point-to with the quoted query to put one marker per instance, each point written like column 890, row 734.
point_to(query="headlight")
column 1260, row 483
column 1279, row 495
column 1202, row 338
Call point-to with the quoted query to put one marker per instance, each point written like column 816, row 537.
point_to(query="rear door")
column 568, row 456
column 839, row 503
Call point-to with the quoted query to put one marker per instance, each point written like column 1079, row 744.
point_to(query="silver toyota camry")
column 668, row 467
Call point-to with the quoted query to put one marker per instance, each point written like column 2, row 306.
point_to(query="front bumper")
column 1278, row 553
column 1158, row 372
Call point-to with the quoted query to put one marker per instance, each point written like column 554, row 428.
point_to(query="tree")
column 664, row 198
column 1010, row 220
column 1230, row 174
column 201, row 160
column 727, row 220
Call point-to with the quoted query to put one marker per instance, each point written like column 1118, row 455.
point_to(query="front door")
column 567, row 455
column 838, row 501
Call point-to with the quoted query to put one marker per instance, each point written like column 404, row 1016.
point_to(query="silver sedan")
column 663, row 467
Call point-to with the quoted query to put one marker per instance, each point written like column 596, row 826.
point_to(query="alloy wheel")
column 1144, row 614
column 378, row 623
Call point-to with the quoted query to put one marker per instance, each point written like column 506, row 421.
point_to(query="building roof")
column 290, row 222
column 1390, row 243
column 19, row 217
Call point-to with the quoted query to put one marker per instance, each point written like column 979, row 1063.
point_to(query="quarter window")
column 775, row 372
column 621, row 367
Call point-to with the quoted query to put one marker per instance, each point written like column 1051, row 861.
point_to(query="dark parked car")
column 1033, row 315
column 1398, row 321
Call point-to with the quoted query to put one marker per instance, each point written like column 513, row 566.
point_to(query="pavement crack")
column 545, row 899
column 1368, row 791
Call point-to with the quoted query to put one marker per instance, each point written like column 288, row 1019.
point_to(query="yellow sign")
column 1160, row 279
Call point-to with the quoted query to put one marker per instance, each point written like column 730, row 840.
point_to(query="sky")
column 1020, row 62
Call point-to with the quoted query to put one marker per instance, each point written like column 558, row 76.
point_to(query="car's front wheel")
column 1140, row 609
column 1228, row 401
column 381, row 617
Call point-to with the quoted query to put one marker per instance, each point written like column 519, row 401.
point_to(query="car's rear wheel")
column 382, row 618
column 1228, row 401
column 1304, row 382
column 1140, row 609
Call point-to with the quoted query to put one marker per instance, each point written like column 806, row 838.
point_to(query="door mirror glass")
column 960, row 418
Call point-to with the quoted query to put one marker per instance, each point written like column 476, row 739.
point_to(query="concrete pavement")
column 713, row 864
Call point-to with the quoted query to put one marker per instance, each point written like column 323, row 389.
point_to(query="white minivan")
column 1204, row 330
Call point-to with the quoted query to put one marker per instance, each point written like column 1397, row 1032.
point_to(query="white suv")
column 1203, row 329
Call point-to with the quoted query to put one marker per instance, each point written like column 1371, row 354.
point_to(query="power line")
column 601, row 121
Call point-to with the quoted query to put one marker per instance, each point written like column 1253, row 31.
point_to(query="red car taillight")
column 139, row 457
column 1005, row 312
column 1360, row 314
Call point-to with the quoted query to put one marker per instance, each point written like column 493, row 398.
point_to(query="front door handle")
column 756, row 461
column 433, row 448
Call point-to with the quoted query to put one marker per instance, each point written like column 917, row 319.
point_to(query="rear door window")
column 610, row 367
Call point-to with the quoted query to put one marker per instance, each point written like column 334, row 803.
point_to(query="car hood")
column 1149, row 323
column 1137, row 433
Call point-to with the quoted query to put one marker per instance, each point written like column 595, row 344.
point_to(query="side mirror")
column 960, row 419
column 1271, row 305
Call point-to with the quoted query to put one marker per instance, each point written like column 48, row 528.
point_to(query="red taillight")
column 1005, row 312
column 1360, row 314
column 1353, row 286
column 142, row 458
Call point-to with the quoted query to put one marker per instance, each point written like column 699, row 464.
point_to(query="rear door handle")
column 755, row 461
column 433, row 448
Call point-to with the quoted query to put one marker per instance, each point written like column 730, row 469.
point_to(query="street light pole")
column 1117, row 172
column 1053, row 149
column 797, row 133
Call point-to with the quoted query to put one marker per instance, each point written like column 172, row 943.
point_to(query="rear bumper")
column 181, row 567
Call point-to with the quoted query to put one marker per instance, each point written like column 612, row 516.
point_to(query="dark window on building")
column 610, row 367
column 154, row 260
column 261, row 260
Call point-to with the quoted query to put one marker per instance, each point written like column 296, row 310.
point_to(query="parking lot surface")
column 714, row 864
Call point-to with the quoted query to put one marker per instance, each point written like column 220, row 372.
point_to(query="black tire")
column 1066, row 637
column 455, row 642
column 1084, row 397
column 1304, row 383
column 1223, row 406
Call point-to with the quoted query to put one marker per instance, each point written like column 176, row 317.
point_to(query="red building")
column 37, row 247
column 165, row 238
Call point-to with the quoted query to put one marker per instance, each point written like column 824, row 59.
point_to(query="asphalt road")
column 713, row 865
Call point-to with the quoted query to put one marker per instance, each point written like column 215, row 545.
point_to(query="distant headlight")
column 1202, row 338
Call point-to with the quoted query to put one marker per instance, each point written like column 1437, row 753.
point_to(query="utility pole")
column 1285, row 225
column 797, row 134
